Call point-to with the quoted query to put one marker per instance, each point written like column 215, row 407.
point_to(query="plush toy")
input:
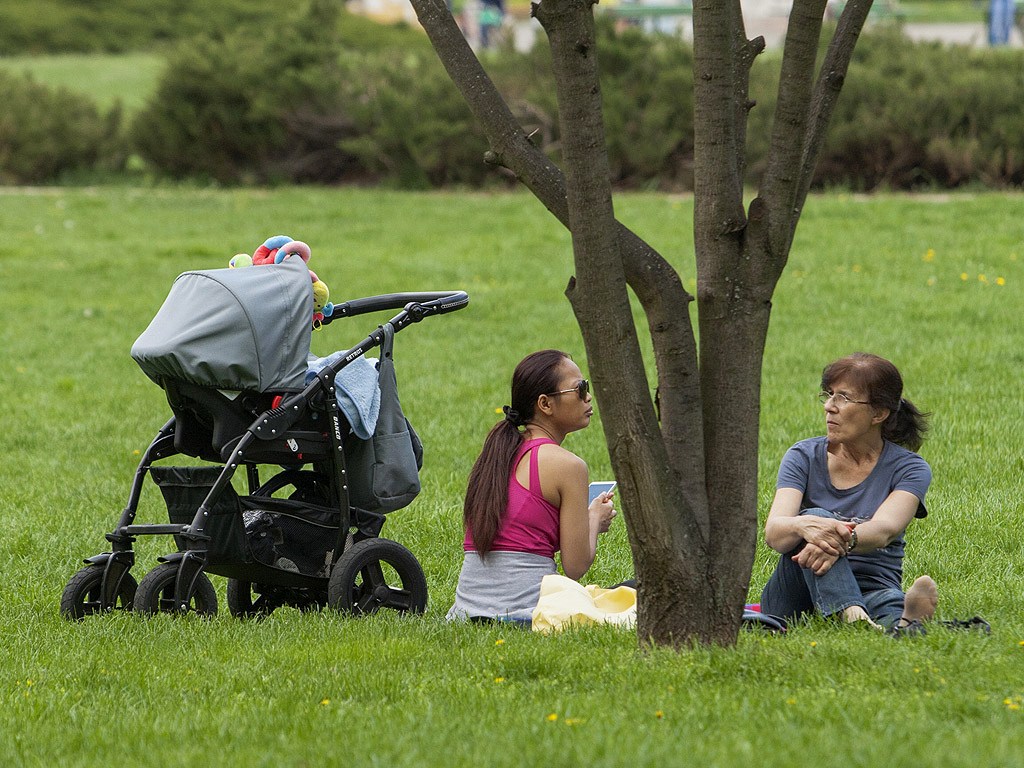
column 275, row 250
column 321, row 298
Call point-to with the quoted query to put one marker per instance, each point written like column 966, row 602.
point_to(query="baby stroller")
column 230, row 348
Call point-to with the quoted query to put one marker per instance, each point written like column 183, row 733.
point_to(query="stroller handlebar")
column 433, row 302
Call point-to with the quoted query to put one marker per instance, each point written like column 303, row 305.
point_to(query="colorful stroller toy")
column 230, row 348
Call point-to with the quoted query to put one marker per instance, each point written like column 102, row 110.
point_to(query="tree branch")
column 789, row 129
column 718, row 189
column 826, row 94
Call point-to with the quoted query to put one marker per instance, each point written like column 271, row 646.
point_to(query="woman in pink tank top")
column 527, row 495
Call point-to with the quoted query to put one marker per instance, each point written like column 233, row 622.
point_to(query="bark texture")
column 686, row 465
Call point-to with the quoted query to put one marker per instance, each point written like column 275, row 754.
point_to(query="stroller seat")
column 209, row 423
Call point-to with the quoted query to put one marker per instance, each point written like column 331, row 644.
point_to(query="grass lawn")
column 934, row 283
column 106, row 78
column 945, row 11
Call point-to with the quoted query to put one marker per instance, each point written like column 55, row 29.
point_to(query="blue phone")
column 596, row 489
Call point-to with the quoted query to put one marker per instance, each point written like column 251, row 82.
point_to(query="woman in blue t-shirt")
column 843, row 501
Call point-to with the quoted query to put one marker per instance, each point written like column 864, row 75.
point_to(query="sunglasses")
column 582, row 389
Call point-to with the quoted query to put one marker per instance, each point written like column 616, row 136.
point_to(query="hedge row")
column 48, row 134
column 118, row 26
column 336, row 102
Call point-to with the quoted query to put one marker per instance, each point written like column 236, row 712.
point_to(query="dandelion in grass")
column 791, row 701
column 324, row 702
column 983, row 279
column 929, row 255
column 814, row 643
column 659, row 714
column 1000, row 281
column 552, row 717
column 964, row 276
column 499, row 679
column 499, row 641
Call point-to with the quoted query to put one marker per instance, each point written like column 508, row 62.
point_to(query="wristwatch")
column 853, row 541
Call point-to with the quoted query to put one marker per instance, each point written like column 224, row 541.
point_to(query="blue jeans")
column 792, row 591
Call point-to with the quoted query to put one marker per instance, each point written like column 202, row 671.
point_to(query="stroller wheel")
column 374, row 574
column 156, row 593
column 243, row 604
column 81, row 596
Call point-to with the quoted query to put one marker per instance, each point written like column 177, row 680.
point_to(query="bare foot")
column 855, row 613
column 922, row 599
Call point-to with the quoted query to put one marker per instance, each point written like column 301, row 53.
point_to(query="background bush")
column 116, row 26
column 914, row 115
column 47, row 133
column 328, row 97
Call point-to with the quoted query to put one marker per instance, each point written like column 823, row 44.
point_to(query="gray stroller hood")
column 236, row 329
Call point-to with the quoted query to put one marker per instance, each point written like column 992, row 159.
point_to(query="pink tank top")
column 530, row 523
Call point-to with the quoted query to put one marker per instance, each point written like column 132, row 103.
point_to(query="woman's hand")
column 602, row 512
column 830, row 536
column 814, row 557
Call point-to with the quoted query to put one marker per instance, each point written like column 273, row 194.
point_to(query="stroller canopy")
column 236, row 329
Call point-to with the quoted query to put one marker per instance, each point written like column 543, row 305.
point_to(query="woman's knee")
column 819, row 512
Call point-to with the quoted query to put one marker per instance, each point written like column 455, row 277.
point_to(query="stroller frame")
column 180, row 585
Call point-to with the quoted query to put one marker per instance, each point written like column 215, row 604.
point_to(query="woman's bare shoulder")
column 557, row 456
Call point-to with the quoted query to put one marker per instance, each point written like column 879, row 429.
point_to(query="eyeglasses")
column 582, row 389
column 839, row 399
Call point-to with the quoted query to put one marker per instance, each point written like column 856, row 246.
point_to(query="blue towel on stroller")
column 356, row 390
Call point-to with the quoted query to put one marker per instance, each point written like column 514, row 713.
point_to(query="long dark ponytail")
column 883, row 384
column 487, row 491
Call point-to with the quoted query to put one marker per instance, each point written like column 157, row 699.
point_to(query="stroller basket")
column 293, row 535
column 184, row 489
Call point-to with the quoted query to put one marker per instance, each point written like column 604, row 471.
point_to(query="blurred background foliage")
column 237, row 93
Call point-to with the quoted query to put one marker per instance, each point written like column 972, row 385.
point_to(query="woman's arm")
column 889, row 521
column 579, row 525
column 786, row 528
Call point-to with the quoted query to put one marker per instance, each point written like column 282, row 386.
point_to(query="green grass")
column 933, row 283
column 129, row 78
column 944, row 11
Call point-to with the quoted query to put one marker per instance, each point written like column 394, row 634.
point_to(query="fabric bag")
column 384, row 470
column 564, row 602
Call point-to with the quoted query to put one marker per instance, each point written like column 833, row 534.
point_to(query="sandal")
column 904, row 628
column 756, row 619
column 973, row 623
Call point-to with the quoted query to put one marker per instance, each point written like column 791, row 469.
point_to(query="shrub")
column 332, row 99
column 47, row 133
column 115, row 26
column 237, row 109
column 914, row 115
column 414, row 129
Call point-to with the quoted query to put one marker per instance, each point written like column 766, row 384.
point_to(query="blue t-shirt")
column 805, row 468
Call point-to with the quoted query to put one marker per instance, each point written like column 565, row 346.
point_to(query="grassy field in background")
column 944, row 11
column 129, row 78
column 934, row 283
